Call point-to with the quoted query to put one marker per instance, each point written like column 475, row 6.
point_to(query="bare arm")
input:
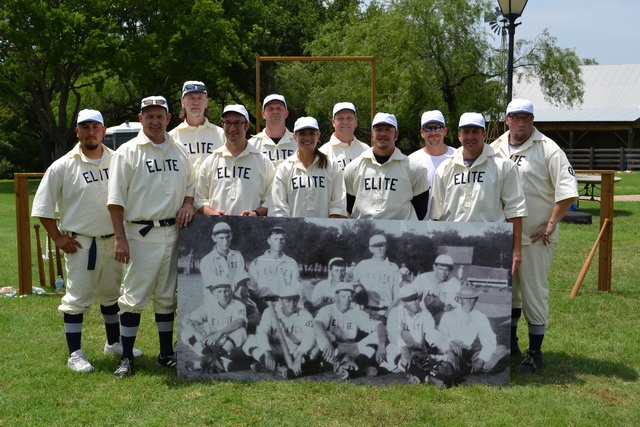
column 517, row 243
column 65, row 242
column 121, row 246
column 546, row 230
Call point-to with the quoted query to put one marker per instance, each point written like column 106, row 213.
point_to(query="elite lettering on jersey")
column 468, row 177
column 347, row 326
column 89, row 177
column 380, row 183
column 518, row 160
column 278, row 154
column 242, row 172
column 200, row 147
column 170, row 165
column 313, row 181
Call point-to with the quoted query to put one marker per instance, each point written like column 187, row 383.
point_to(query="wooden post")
column 23, row 231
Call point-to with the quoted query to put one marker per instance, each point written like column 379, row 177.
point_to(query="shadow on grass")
column 562, row 368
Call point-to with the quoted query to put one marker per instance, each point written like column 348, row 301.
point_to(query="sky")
column 605, row 30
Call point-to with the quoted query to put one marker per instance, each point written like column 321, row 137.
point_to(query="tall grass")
column 591, row 350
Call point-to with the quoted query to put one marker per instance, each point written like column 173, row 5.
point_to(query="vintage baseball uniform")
column 234, row 184
column 297, row 329
column 381, row 280
column 458, row 325
column 323, row 292
column 198, row 141
column 150, row 182
column 384, row 191
column 547, row 177
column 345, row 326
column 310, row 193
column 272, row 151
column 211, row 317
column 77, row 187
column 269, row 274
column 421, row 327
column 428, row 284
column 488, row 191
column 215, row 266
column 341, row 152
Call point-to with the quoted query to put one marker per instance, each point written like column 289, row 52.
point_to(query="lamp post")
column 512, row 10
column 222, row 97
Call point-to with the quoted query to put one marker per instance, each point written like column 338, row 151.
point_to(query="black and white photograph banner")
column 366, row 301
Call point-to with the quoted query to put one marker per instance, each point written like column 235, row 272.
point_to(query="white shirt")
column 296, row 327
column 234, row 184
column 381, row 280
column 215, row 266
column 384, row 191
column 341, row 152
column 77, row 187
column 198, row 141
column 488, row 191
column 458, row 325
column 314, row 192
column 272, row 151
column 345, row 326
column 430, row 162
column 148, row 181
column 546, row 175
column 270, row 274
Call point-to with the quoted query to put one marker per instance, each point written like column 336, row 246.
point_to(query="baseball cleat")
column 116, row 348
column 532, row 361
column 78, row 362
column 124, row 369
column 167, row 361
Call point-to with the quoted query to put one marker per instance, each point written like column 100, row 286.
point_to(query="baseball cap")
column 471, row 119
column 219, row 285
column 291, row 291
column 386, row 119
column 377, row 240
column 336, row 261
column 150, row 101
column 276, row 230
column 444, row 260
column 221, row 227
column 193, row 86
column 90, row 116
column 344, row 286
column 274, row 97
column 343, row 106
column 305, row 123
column 467, row 291
column 523, row 106
column 236, row 108
column 432, row 116
column 408, row 292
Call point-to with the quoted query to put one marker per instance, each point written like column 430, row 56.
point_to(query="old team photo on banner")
column 371, row 302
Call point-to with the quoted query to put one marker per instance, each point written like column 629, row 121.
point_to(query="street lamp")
column 222, row 97
column 512, row 10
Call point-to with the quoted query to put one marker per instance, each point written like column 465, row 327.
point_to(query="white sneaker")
column 78, row 362
column 116, row 348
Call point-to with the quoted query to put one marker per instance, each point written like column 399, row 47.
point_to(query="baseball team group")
column 125, row 207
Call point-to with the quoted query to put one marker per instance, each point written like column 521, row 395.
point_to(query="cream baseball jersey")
column 272, row 151
column 210, row 317
column 465, row 328
column 314, row 192
column 78, row 188
column 215, row 266
column 198, row 141
column 270, row 274
column 341, row 152
column 384, row 191
column 345, row 326
column 421, row 327
column 297, row 329
column 546, row 175
column 381, row 280
column 149, row 181
column 234, row 184
column 488, row 191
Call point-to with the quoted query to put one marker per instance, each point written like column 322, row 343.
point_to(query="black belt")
column 93, row 249
column 150, row 224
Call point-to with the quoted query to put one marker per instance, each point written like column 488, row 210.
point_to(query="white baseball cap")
column 305, row 123
column 150, row 101
column 444, row 260
column 432, row 116
column 343, row 106
column 336, row 260
column 274, row 97
column 471, row 119
column 523, row 106
column 408, row 292
column 344, row 286
column 377, row 239
column 90, row 116
column 386, row 119
column 193, row 86
column 236, row 108
column 221, row 227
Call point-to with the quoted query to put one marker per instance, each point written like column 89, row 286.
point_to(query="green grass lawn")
column 591, row 350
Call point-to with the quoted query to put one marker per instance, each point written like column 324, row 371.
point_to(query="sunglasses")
column 191, row 86
column 148, row 102
column 432, row 128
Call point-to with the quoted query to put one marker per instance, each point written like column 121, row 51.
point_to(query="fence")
column 604, row 158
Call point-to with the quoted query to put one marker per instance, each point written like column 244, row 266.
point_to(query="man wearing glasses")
column 550, row 188
column 276, row 142
column 196, row 133
column 433, row 130
column 236, row 178
column 151, row 191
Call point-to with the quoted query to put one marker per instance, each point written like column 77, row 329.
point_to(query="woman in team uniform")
column 308, row 184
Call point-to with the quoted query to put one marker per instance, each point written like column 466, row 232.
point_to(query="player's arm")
column 545, row 231
column 324, row 341
column 517, row 243
column 65, row 242
column 185, row 213
column 121, row 247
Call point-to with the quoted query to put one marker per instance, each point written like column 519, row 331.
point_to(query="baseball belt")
column 93, row 249
column 150, row 224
